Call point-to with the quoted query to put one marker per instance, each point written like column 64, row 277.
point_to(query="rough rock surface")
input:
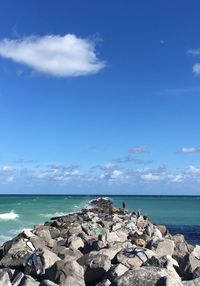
column 99, row 246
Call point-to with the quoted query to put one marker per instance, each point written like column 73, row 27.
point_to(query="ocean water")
column 180, row 214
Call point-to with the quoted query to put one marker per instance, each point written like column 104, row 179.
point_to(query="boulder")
column 95, row 266
column 16, row 253
column 188, row 265
column 75, row 242
column 194, row 282
column 66, row 273
column 114, row 248
column 49, row 258
column 105, row 282
column 4, row 278
column 116, row 271
column 45, row 235
column 162, row 229
column 28, row 281
column 66, row 254
column 144, row 276
column 196, row 273
column 134, row 256
column 37, row 242
column 196, row 252
column 163, row 247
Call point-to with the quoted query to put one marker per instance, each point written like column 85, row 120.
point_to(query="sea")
column 181, row 214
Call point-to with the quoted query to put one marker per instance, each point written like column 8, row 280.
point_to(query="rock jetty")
column 101, row 245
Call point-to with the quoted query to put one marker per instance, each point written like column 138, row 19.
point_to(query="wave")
column 50, row 215
column 9, row 216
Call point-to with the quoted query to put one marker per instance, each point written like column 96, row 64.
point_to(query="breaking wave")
column 9, row 216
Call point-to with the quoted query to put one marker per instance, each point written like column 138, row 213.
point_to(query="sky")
column 100, row 97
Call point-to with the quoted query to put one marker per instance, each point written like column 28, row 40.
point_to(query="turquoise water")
column 21, row 212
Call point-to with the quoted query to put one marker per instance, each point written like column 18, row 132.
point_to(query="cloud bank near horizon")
column 54, row 55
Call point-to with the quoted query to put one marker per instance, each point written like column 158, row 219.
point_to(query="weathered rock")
column 16, row 253
column 54, row 232
column 162, row 229
column 75, row 242
column 194, row 282
column 105, row 205
column 28, row 233
column 114, row 248
column 196, row 252
column 28, row 281
column 49, row 258
column 4, row 278
column 144, row 276
column 66, row 254
column 196, row 273
column 95, row 266
column 67, row 273
column 116, row 271
column 163, row 247
column 141, row 222
column 37, row 242
column 105, row 282
column 188, row 265
column 134, row 256
column 46, row 236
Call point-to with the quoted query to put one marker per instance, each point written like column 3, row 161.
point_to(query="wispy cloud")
column 138, row 149
column 130, row 159
column 54, row 55
column 23, row 161
column 196, row 66
column 189, row 150
column 194, row 52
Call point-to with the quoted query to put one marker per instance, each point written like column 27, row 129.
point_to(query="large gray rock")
column 134, row 256
column 75, row 242
column 195, row 282
column 49, row 258
column 66, row 273
column 114, row 248
column 188, row 265
column 163, row 247
column 105, row 282
column 4, row 278
column 95, row 266
column 196, row 252
column 116, row 271
column 196, row 273
column 46, row 236
column 28, row 281
column 16, row 253
column 67, row 254
column 144, row 276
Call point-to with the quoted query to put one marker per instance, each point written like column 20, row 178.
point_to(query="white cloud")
column 138, row 149
column 151, row 177
column 189, row 150
column 193, row 170
column 194, row 52
column 196, row 69
column 55, row 55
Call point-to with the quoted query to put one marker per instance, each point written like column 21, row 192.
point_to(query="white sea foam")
column 50, row 215
column 9, row 216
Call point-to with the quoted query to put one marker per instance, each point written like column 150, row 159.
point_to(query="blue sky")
column 100, row 97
